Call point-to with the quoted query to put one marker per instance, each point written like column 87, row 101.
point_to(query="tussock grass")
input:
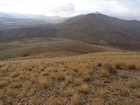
column 44, row 82
column 69, row 91
column 76, row 80
column 134, row 83
column 104, row 72
column 84, row 88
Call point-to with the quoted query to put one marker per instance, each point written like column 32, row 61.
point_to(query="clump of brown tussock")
column 110, row 68
column 86, row 76
column 3, row 83
column 54, row 101
column 107, row 70
column 69, row 91
column 124, row 92
column 16, row 85
column 78, row 81
column 33, row 100
column 33, row 78
column 44, row 82
column 10, row 92
column 104, row 72
column 133, row 83
column 120, row 65
column 132, row 66
column 75, row 100
column 99, row 64
column 15, row 74
column 60, row 75
column 84, row 88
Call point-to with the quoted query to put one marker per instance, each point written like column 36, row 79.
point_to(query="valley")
column 91, row 59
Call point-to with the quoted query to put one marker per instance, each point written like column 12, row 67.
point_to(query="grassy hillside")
column 101, row 29
column 105, row 78
column 91, row 28
column 48, row 47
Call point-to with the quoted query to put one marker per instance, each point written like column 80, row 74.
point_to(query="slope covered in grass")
column 109, row 78
column 47, row 46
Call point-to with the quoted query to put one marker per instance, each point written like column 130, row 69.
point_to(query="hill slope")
column 99, row 28
column 46, row 47
column 91, row 28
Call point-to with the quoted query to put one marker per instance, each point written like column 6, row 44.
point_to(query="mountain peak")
column 97, row 13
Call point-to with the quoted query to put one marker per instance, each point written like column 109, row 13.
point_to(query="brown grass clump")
column 104, row 73
column 33, row 78
column 133, row 83
column 120, row 65
column 59, row 75
column 33, row 100
column 69, row 92
column 10, row 92
column 3, row 83
column 99, row 64
column 54, row 101
column 84, row 88
column 75, row 100
column 17, row 85
column 131, row 66
column 124, row 92
column 86, row 77
column 44, row 83
column 78, row 81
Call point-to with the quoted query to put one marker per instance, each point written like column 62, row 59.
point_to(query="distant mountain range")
column 94, row 28
column 11, row 18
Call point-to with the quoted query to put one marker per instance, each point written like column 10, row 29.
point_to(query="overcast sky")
column 129, row 9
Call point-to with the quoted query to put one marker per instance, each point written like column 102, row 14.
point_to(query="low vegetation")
column 105, row 78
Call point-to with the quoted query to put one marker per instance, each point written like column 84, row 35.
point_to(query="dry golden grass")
column 69, row 91
column 133, row 83
column 104, row 72
column 75, row 80
column 75, row 100
column 33, row 78
column 84, row 88
column 33, row 100
column 132, row 66
column 44, row 83
column 78, row 81
column 54, row 101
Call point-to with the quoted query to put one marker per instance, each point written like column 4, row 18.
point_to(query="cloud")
column 67, row 9
column 120, row 8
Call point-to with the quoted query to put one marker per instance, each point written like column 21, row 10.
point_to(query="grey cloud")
column 67, row 9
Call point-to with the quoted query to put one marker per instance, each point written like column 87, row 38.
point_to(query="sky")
column 128, row 9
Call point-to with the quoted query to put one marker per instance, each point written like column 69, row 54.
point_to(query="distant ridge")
column 101, row 29
column 93, row 28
